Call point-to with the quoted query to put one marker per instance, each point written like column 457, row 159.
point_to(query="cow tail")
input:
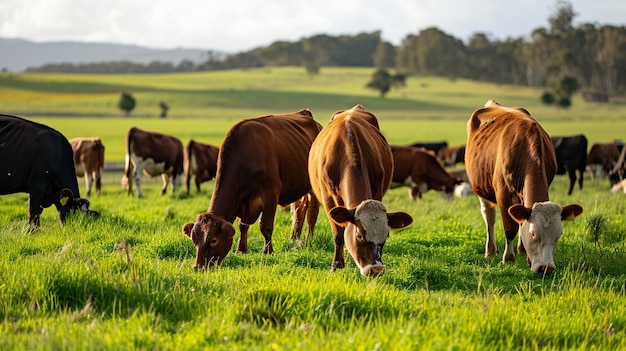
column 188, row 153
column 127, row 165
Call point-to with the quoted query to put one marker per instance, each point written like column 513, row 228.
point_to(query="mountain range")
column 18, row 54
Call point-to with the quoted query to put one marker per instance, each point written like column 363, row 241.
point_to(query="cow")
column 434, row 146
column 452, row 155
column 601, row 159
column 262, row 163
column 350, row 167
column 619, row 187
column 154, row 154
column 39, row 161
column 89, row 161
column 617, row 174
column 510, row 162
column 420, row 171
column 199, row 161
column 571, row 156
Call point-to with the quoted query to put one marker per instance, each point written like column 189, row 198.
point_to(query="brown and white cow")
column 39, row 161
column 601, row 159
column 420, row 171
column 154, row 154
column 510, row 162
column 351, row 166
column 199, row 161
column 89, row 161
column 262, row 163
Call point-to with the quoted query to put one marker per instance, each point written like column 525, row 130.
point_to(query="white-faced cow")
column 601, row 159
column 510, row 162
column 200, row 161
column 571, row 156
column 38, row 160
column 617, row 175
column 351, row 166
column 89, row 161
column 262, row 163
column 154, row 154
column 420, row 171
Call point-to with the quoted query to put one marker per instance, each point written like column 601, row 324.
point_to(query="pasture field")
column 124, row 280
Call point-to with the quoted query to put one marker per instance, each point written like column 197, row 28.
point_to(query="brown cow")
column 154, row 154
column 351, row 166
column 420, row 171
column 511, row 162
column 89, row 161
column 199, row 161
column 262, row 163
column 601, row 159
column 452, row 155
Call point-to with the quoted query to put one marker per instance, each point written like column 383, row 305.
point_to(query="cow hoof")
column 508, row 258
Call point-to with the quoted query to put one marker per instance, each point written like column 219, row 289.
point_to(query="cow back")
column 266, row 153
column 507, row 148
column 351, row 160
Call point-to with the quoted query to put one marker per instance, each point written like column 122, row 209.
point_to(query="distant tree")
column 126, row 103
column 547, row 98
column 383, row 81
column 385, row 55
column 561, row 92
column 164, row 107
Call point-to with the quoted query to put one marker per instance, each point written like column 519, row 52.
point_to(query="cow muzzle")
column 372, row 270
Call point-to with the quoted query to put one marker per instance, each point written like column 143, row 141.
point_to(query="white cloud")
column 238, row 25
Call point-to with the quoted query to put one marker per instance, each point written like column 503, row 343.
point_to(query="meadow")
column 124, row 280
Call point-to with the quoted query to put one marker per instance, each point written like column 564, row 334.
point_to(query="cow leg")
column 338, row 258
column 298, row 210
column 35, row 209
column 166, row 180
column 488, row 210
column 312, row 212
column 414, row 192
column 510, row 231
column 137, row 178
column 98, row 181
column 197, row 186
column 266, row 225
column 242, row 244
column 581, row 173
column 88, row 182
column 572, row 181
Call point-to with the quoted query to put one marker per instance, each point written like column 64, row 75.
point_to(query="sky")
column 239, row 25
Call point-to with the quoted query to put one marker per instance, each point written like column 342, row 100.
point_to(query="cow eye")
column 213, row 241
column 360, row 237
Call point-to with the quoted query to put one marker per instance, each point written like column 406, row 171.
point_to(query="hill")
column 19, row 54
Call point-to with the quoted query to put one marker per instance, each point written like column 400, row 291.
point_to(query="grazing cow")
column 420, row 171
column 571, row 156
column 617, row 174
column 452, row 155
column 436, row 146
column 200, row 161
column 89, row 161
column 38, row 160
column 619, row 186
column 154, row 154
column 262, row 163
column 510, row 162
column 601, row 159
column 351, row 166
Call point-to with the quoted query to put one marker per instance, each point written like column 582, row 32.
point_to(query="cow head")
column 213, row 238
column 366, row 230
column 68, row 203
column 540, row 231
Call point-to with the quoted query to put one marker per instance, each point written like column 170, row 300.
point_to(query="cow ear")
column 519, row 213
column 398, row 220
column 228, row 230
column 187, row 229
column 66, row 196
column 570, row 212
column 341, row 215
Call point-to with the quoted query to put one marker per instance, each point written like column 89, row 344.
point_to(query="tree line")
column 591, row 54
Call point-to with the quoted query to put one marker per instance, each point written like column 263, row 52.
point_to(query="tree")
column 383, row 81
column 164, row 107
column 126, row 103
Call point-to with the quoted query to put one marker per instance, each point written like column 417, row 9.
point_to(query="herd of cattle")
column 347, row 166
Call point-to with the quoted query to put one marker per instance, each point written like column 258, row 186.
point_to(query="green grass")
column 124, row 280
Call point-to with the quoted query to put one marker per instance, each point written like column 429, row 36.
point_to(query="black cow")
column 571, row 156
column 39, row 160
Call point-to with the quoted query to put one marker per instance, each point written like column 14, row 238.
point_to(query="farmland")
column 124, row 280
